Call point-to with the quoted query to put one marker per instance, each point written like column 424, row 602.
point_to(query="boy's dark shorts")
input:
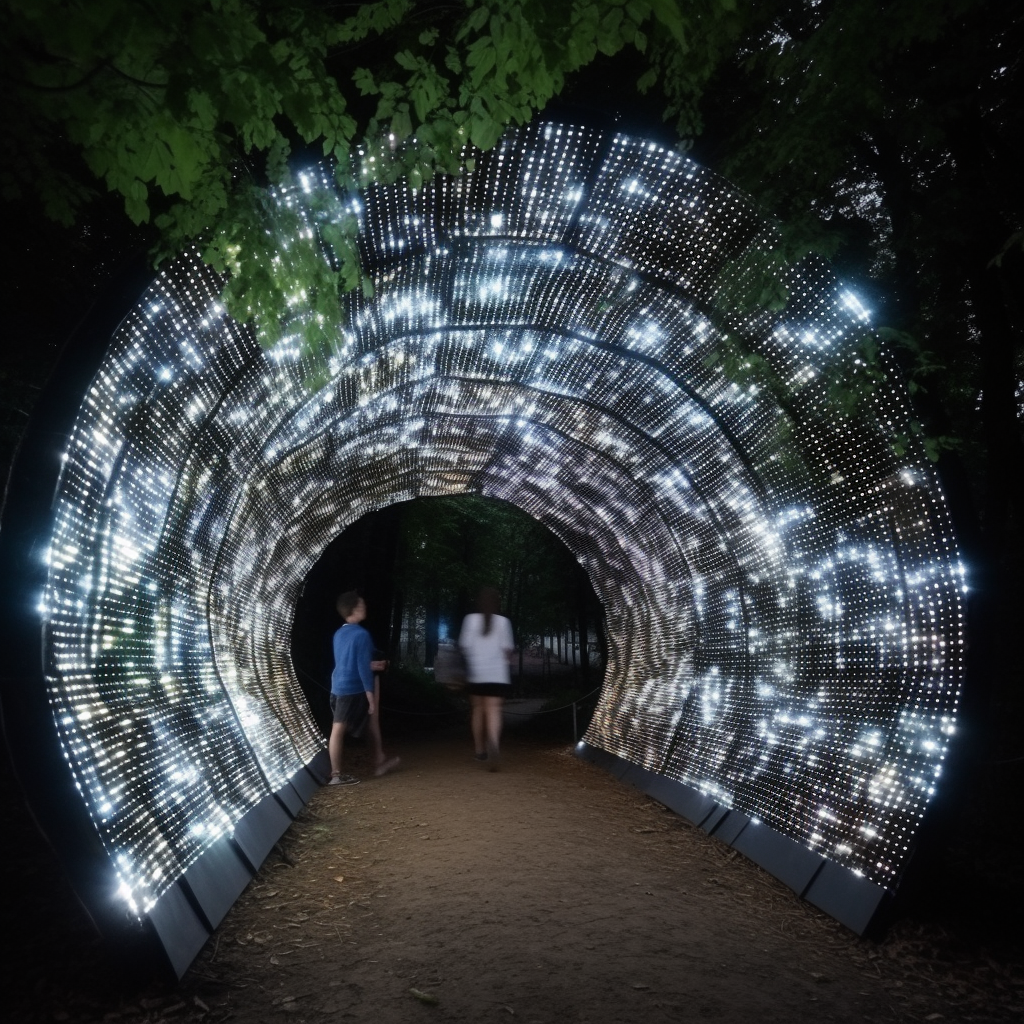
column 352, row 709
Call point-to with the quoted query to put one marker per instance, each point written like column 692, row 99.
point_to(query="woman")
column 486, row 642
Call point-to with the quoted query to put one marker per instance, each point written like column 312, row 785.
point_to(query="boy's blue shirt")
column 353, row 652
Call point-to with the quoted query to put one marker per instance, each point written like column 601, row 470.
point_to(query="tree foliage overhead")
column 190, row 109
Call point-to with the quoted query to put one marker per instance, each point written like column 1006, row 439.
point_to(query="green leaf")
column 452, row 61
column 668, row 13
column 473, row 23
column 484, row 132
column 406, row 60
column 482, row 60
column 135, row 204
column 401, row 122
column 364, row 82
column 646, row 80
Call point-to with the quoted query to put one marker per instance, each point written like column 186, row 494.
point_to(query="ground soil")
column 543, row 892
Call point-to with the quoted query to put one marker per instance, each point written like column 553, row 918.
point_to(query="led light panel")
column 783, row 593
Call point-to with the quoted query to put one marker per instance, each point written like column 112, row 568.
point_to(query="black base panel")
column 788, row 861
column 179, row 929
column 258, row 830
column 686, row 802
column 216, row 880
column 609, row 762
column 320, row 767
column 729, row 827
column 714, row 819
column 290, row 799
column 305, row 784
column 843, row 895
column 197, row 903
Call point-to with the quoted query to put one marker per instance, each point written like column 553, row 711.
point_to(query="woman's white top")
column 486, row 660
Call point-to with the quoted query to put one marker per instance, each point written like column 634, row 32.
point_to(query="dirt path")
column 546, row 892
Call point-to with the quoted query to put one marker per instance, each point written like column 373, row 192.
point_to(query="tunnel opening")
column 419, row 564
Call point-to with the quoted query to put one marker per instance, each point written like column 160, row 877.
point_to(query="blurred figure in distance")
column 487, row 644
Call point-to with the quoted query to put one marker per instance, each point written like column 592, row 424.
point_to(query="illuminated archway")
column 782, row 590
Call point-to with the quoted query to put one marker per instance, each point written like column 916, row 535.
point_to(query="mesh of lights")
column 783, row 593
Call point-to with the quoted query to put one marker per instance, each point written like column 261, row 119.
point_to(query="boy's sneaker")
column 343, row 780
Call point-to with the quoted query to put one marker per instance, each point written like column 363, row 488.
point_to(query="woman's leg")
column 478, row 724
column 492, row 707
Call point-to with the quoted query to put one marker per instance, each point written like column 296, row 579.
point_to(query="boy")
column 354, row 692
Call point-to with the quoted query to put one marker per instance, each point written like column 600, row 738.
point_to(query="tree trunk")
column 432, row 622
column 395, row 633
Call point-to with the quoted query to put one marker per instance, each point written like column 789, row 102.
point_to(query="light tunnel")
column 783, row 592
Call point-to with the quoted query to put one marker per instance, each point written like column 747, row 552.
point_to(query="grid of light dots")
column 784, row 608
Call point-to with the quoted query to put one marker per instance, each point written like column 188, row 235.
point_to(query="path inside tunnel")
column 546, row 892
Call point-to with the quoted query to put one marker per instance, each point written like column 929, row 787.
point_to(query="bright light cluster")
column 783, row 593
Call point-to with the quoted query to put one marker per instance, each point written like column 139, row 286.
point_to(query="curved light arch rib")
column 783, row 592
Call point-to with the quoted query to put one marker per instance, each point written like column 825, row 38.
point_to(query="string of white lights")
column 783, row 592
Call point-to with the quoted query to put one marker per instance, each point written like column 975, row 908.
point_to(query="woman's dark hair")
column 347, row 603
column 488, row 602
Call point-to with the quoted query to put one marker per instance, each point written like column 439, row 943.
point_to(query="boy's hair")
column 347, row 603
